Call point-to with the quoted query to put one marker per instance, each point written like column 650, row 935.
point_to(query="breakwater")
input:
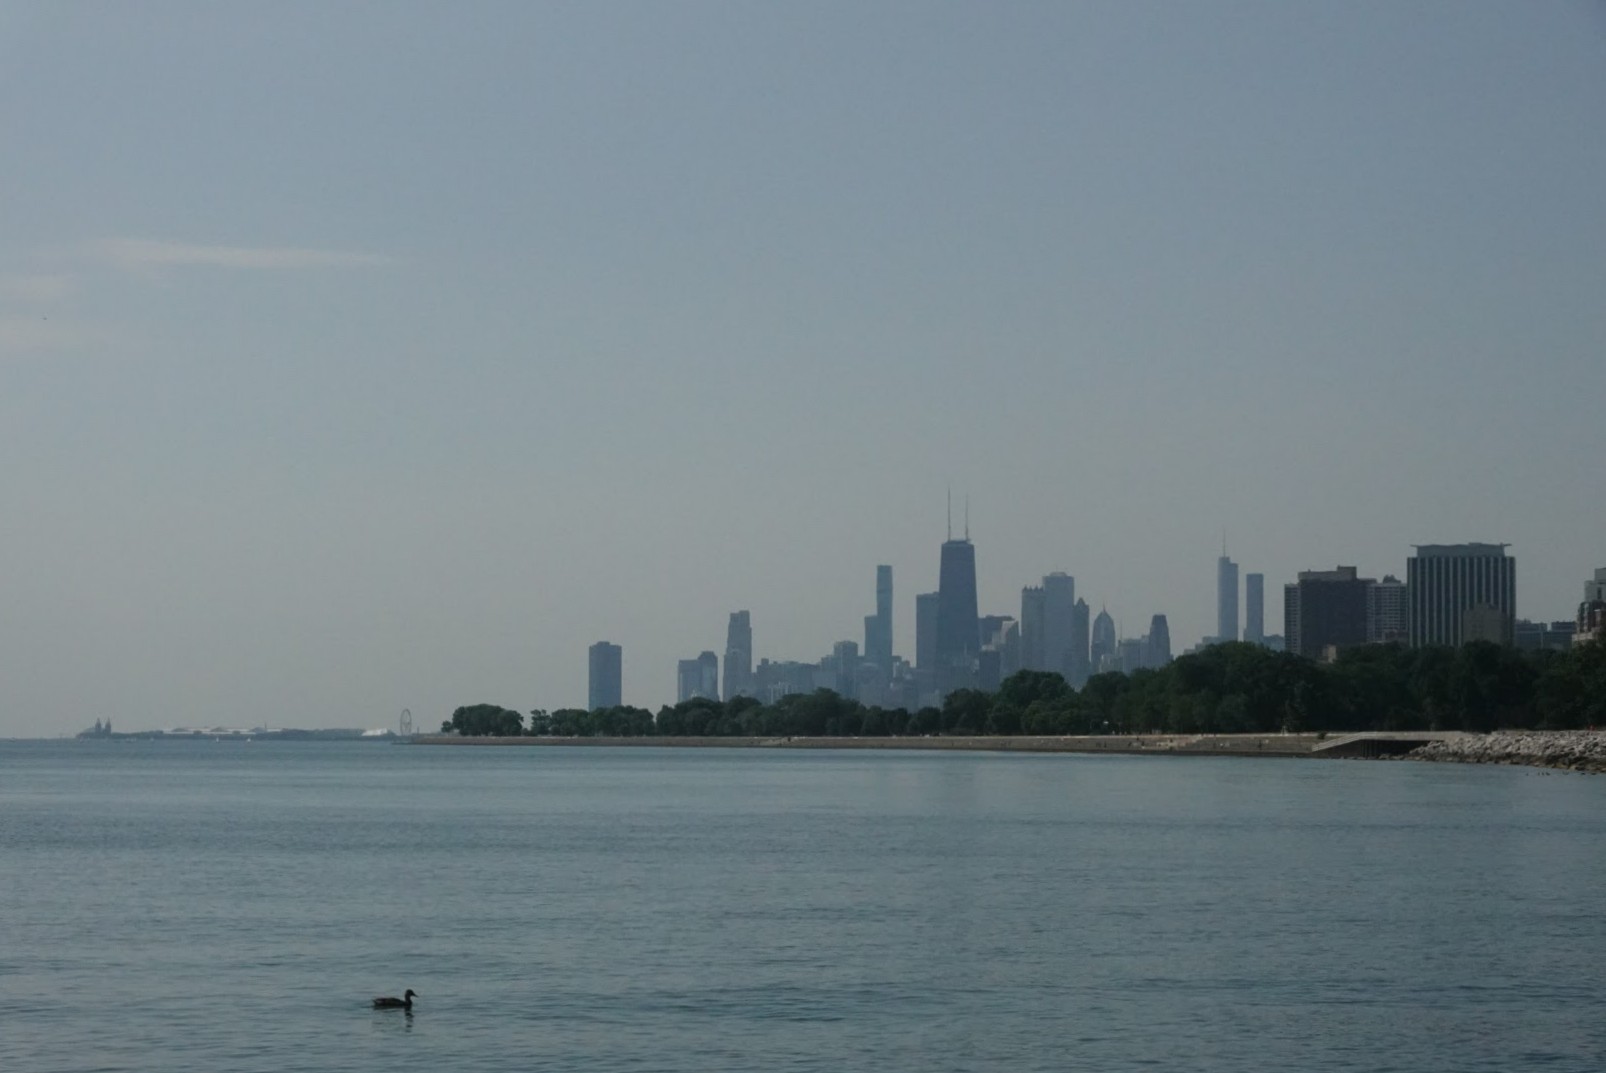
column 1571, row 750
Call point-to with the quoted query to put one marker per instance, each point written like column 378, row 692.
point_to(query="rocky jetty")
column 1573, row 750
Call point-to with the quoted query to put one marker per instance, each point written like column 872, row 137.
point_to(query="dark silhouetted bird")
column 391, row 1003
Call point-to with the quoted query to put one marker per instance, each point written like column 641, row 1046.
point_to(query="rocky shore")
column 1571, row 750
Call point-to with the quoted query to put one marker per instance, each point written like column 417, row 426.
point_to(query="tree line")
column 1233, row 688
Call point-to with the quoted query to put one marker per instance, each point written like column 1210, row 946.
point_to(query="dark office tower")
column 878, row 627
column 1226, row 600
column 1033, row 611
column 1159, row 642
column 1059, row 621
column 1460, row 593
column 926, row 632
column 739, row 656
column 958, row 632
column 1291, row 617
column 1255, row 608
column 1103, row 650
column 607, row 678
column 1079, row 644
column 1324, row 611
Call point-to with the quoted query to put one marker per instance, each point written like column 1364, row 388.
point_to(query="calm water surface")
column 222, row 906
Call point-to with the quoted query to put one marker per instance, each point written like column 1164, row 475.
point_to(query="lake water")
column 226, row 906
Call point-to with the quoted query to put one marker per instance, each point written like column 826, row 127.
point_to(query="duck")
column 389, row 1002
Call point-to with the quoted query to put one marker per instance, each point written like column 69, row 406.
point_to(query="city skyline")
column 1322, row 611
column 341, row 377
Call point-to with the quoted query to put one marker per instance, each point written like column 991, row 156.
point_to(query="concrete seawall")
column 1574, row 750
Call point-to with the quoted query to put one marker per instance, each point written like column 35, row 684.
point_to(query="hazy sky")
column 356, row 357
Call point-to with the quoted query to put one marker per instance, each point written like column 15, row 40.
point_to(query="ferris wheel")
column 405, row 727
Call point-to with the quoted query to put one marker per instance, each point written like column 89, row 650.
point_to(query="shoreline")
column 1582, row 751
column 1279, row 745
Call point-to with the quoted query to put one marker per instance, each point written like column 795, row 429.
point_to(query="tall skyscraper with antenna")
column 1226, row 597
column 958, row 620
column 878, row 627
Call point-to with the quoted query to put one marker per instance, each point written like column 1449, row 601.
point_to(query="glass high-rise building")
column 1048, row 626
column 958, row 621
column 1033, row 608
column 1159, row 642
column 1102, row 652
column 1226, row 600
column 1255, row 608
column 1081, row 629
column 739, row 655
column 606, row 684
column 697, row 678
column 878, row 627
column 926, row 632
column 1059, row 622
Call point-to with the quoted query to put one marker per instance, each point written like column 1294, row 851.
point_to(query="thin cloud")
column 34, row 288
column 136, row 254
column 34, row 335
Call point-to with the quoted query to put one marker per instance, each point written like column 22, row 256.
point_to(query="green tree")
column 486, row 720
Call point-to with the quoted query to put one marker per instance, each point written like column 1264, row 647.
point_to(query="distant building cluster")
column 1452, row 594
column 956, row 647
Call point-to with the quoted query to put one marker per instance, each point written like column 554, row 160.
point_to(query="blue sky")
column 367, row 356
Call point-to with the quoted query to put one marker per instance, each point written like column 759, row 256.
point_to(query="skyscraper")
column 1059, row 621
column 697, row 678
column 844, row 662
column 958, row 630
column 1386, row 612
column 878, row 627
column 708, row 667
column 1460, row 593
column 1159, row 642
column 1255, row 608
column 1325, row 609
column 1226, row 600
column 1080, row 637
column 1001, row 634
column 606, row 683
column 1103, row 650
column 739, row 656
column 1033, row 631
column 926, row 632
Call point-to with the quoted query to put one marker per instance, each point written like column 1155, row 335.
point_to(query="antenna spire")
column 967, row 516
